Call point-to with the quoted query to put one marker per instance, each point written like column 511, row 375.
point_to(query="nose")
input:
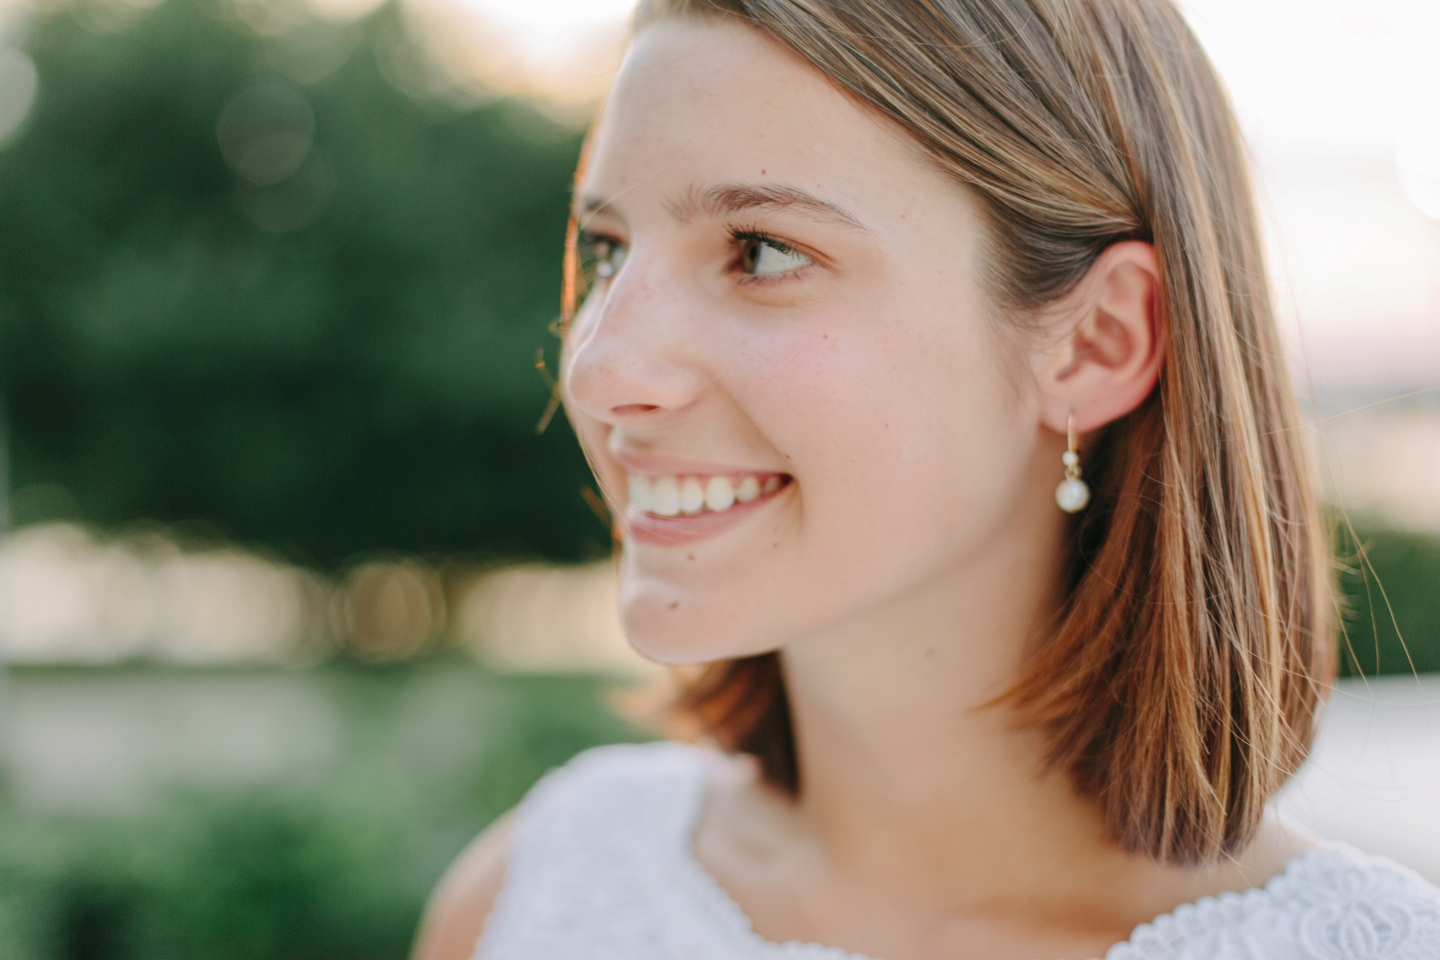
column 629, row 353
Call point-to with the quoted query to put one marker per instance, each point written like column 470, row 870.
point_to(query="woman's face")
column 785, row 373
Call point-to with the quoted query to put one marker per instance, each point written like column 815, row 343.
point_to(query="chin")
column 668, row 628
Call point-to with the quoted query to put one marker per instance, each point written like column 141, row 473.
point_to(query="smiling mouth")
column 685, row 496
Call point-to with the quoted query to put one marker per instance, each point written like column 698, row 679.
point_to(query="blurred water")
column 88, row 742
column 1373, row 777
column 102, row 740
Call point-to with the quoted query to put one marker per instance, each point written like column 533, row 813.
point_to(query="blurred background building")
column 295, row 597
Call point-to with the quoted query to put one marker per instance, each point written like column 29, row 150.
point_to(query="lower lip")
column 676, row 531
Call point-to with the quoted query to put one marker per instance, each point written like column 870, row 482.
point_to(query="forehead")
column 700, row 102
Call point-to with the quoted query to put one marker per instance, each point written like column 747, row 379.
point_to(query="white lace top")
column 600, row 868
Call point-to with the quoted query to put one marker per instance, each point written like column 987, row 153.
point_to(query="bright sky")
column 1341, row 102
column 565, row 51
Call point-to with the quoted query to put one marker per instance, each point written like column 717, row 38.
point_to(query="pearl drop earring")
column 1073, row 493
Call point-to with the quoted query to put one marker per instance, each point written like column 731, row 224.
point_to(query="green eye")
column 600, row 258
column 764, row 257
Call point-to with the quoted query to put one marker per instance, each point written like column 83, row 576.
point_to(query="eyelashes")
column 756, row 257
column 764, row 258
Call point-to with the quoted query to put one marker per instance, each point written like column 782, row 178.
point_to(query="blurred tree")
column 305, row 314
column 1389, row 582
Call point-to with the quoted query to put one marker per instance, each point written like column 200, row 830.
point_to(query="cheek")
column 913, row 423
column 907, row 449
column 910, row 447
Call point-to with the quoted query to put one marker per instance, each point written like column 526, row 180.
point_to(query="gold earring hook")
column 1073, row 493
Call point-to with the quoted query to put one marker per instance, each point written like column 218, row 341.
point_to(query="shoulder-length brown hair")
column 1193, row 644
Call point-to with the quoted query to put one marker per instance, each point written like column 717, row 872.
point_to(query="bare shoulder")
column 465, row 896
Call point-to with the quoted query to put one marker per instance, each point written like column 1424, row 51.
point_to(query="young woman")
column 924, row 354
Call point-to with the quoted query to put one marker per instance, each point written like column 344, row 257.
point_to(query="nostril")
column 633, row 409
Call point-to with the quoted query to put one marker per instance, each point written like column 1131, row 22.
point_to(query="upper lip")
column 661, row 465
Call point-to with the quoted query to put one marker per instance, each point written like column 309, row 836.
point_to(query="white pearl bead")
column 1070, row 458
column 1072, row 495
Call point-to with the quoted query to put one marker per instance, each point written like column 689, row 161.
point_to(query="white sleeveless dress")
column 600, row 868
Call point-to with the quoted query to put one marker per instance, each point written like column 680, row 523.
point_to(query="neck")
column 918, row 781
column 905, row 758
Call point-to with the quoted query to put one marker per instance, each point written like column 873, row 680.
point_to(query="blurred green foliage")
column 1390, row 586
column 335, row 866
column 336, row 362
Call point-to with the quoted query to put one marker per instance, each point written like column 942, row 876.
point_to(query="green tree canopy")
column 305, row 314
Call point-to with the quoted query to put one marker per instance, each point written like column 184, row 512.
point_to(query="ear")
column 1111, row 344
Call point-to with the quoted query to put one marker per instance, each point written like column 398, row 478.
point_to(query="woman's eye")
column 600, row 257
column 761, row 257
column 613, row 260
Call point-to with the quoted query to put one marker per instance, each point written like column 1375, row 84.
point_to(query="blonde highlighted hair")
column 1193, row 645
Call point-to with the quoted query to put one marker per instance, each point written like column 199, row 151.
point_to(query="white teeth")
column 640, row 491
column 671, row 496
column 692, row 496
column 719, row 493
column 665, row 497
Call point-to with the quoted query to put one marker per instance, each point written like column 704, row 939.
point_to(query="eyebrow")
column 728, row 199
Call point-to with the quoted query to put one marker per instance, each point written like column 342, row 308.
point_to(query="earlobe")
column 1109, row 358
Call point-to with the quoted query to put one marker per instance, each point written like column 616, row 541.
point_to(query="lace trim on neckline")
column 1184, row 921
column 1197, row 916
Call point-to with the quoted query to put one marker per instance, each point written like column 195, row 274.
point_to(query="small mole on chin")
column 674, row 604
column 689, row 556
